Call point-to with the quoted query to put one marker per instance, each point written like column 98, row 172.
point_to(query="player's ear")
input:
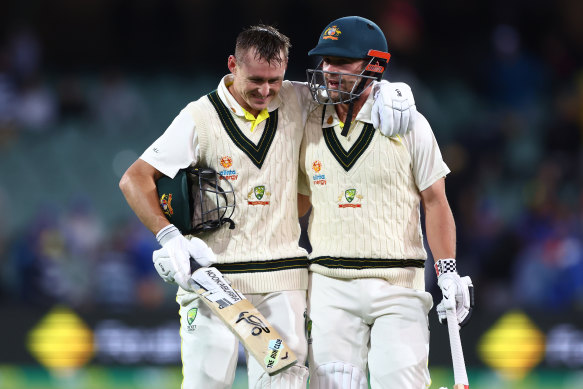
column 232, row 64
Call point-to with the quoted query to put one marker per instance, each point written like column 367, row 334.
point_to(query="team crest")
column 228, row 174
column 258, row 196
column 350, row 199
column 190, row 316
column 332, row 33
column 349, row 194
column 318, row 178
column 259, row 191
column 165, row 204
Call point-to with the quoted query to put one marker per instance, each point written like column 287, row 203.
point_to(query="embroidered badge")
column 228, row 174
column 318, row 178
column 349, row 199
column 165, row 204
column 332, row 33
column 258, row 196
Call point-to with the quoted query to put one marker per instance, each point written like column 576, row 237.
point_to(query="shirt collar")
column 229, row 100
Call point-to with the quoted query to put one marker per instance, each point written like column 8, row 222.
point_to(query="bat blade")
column 256, row 334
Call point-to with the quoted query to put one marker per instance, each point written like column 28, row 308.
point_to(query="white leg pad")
column 338, row 375
column 296, row 377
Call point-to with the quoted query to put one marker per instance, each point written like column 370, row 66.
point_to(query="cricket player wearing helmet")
column 367, row 298
column 248, row 130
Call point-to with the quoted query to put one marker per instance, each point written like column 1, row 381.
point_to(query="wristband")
column 445, row 266
column 167, row 233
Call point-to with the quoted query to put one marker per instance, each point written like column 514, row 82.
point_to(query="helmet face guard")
column 321, row 92
column 213, row 200
column 197, row 200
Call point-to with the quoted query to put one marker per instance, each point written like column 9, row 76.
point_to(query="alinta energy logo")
column 258, row 196
column 228, row 174
column 349, row 199
column 318, row 178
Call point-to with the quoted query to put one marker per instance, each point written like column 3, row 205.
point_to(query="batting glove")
column 458, row 292
column 394, row 110
column 173, row 260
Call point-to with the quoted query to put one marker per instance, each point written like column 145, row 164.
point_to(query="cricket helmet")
column 349, row 37
column 197, row 200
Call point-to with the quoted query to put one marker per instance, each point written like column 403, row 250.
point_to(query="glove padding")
column 394, row 110
column 172, row 262
column 458, row 295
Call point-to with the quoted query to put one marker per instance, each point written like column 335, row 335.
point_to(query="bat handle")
column 457, row 353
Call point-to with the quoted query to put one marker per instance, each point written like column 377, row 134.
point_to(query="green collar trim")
column 257, row 153
column 347, row 159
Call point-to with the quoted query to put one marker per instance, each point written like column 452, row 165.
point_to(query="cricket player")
column 367, row 298
column 249, row 130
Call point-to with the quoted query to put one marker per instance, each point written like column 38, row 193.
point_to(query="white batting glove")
column 458, row 292
column 394, row 110
column 173, row 260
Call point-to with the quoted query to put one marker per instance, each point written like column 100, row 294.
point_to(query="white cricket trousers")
column 368, row 323
column 209, row 350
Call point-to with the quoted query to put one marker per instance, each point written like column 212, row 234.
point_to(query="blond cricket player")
column 249, row 130
column 367, row 298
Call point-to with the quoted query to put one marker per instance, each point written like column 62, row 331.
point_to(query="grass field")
column 22, row 377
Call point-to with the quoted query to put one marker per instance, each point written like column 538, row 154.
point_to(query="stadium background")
column 86, row 86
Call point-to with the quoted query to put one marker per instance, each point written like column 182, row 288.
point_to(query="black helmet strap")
column 357, row 91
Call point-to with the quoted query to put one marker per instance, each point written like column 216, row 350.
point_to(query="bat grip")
column 457, row 354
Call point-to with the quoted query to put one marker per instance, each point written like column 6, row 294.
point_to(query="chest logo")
column 228, row 174
column 258, row 196
column 226, row 162
column 318, row 178
column 350, row 199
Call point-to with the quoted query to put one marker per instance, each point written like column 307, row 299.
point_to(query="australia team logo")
column 318, row 178
column 228, row 174
column 190, row 316
column 350, row 199
column 258, row 196
column 166, row 204
column 332, row 32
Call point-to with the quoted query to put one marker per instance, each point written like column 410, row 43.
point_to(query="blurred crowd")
column 506, row 108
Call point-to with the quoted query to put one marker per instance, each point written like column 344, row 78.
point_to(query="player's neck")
column 342, row 109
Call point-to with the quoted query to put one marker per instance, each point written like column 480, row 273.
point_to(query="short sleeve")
column 176, row 148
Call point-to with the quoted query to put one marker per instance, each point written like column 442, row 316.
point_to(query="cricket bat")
column 259, row 337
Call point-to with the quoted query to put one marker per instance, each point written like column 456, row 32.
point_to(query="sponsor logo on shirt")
column 228, row 174
column 318, row 178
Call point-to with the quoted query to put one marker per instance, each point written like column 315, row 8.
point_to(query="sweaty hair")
column 265, row 41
